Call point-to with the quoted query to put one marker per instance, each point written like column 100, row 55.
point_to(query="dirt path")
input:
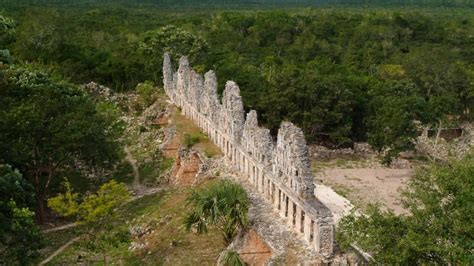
column 59, row 250
column 59, row 228
column 133, row 163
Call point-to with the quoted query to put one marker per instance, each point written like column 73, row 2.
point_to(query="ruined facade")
column 280, row 171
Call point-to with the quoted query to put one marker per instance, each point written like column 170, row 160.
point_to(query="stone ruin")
column 279, row 171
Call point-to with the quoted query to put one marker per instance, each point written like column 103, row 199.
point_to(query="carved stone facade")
column 280, row 172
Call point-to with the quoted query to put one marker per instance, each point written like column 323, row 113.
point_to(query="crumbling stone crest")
column 281, row 170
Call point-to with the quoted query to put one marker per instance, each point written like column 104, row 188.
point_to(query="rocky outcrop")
column 442, row 149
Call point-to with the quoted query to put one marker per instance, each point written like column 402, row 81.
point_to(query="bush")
column 192, row 139
column 223, row 205
column 146, row 93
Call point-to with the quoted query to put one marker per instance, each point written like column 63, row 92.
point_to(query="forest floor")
column 363, row 180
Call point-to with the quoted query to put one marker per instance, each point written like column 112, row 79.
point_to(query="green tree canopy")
column 47, row 127
column 7, row 31
column 20, row 237
column 174, row 40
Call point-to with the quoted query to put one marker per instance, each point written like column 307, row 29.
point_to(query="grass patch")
column 341, row 190
column 190, row 140
column 198, row 139
column 151, row 171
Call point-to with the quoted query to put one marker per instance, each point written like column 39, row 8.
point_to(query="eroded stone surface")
column 186, row 168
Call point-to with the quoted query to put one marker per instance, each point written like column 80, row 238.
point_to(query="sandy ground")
column 361, row 184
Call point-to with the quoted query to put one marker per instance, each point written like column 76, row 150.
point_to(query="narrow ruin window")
column 286, row 206
column 296, row 173
column 302, row 222
column 311, row 231
column 279, row 199
column 273, row 192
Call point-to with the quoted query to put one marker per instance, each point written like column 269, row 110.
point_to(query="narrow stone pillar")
column 298, row 219
column 307, row 228
column 283, row 205
column 316, row 238
column 276, row 199
column 290, row 213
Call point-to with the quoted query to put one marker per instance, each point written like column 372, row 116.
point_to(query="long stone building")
column 279, row 171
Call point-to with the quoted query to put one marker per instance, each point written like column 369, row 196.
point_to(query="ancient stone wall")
column 279, row 171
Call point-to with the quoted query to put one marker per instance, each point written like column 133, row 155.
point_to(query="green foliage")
column 7, row 30
column 176, row 41
column 190, row 139
column 324, row 69
column 47, row 127
column 223, row 204
column 67, row 204
column 20, row 237
column 232, row 258
column 112, row 115
column 394, row 108
column 94, row 209
column 438, row 230
column 147, row 93
column 14, row 187
column 171, row 39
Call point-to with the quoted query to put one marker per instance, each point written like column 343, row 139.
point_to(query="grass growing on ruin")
column 197, row 139
column 167, row 242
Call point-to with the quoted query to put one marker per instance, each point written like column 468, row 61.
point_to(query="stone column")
column 290, row 213
column 307, row 228
column 276, row 200
column 283, row 204
column 298, row 219
column 316, row 238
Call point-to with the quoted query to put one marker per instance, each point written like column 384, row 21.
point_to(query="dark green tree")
column 171, row 39
column 20, row 237
column 393, row 110
column 47, row 127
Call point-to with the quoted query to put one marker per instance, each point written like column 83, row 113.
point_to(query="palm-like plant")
column 223, row 204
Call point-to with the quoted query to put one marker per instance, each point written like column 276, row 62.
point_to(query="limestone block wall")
column 280, row 171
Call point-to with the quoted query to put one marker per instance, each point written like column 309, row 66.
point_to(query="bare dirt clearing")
column 363, row 181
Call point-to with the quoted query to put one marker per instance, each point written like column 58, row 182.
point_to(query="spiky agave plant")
column 223, row 204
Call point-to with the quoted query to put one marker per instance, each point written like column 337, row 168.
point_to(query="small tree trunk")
column 40, row 209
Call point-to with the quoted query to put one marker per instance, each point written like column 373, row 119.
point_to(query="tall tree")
column 47, row 127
